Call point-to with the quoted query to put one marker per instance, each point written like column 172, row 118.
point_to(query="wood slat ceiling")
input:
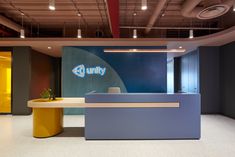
column 94, row 14
column 36, row 11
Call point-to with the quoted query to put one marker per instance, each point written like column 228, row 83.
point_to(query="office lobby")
column 126, row 78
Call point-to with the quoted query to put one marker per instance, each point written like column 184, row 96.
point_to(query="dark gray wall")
column 199, row 71
column 21, row 76
column 228, row 79
column 210, row 79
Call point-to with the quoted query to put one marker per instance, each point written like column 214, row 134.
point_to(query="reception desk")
column 124, row 116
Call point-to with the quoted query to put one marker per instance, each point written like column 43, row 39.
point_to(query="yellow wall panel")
column 5, row 82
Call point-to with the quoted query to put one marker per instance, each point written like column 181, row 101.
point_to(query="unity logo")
column 81, row 70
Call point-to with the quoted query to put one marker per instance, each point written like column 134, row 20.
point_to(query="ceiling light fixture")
column 49, row 48
column 134, row 33
column 22, row 33
column 79, row 33
column 134, row 14
column 180, row 47
column 52, row 4
column 144, row 5
column 79, row 14
column 234, row 7
column 145, row 50
column 191, row 36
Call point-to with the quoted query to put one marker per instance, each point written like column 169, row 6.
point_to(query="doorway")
column 5, row 82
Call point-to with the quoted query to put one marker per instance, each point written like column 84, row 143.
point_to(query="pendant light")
column 144, row 5
column 22, row 33
column 79, row 32
column 134, row 30
column 52, row 4
column 134, row 33
column 191, row 34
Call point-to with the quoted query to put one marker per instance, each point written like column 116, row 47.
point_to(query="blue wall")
column 209, row 72
column 189, row 67
column 133, row 72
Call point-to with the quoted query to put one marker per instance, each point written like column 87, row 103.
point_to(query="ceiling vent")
column 206, row 9
column 213, row 11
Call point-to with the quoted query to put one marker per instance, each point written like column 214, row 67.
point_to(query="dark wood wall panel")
column 41, row 73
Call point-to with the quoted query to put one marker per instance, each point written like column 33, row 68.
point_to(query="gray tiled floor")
column 218, row 140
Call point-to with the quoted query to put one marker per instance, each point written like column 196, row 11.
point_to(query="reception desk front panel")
column 181, row 122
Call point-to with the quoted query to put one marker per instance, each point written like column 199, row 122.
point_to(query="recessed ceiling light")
column 234, row 7
column 144, row 5
column 134, row 14
column 52, row 4
column 79, row 14
column 163, row 14
column 180, row 47
column 49, row 47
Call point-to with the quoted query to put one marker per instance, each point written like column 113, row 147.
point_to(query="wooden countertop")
column 80, row 103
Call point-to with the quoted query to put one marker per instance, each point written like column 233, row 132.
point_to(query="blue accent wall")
column 140, row 72
column 133, row 72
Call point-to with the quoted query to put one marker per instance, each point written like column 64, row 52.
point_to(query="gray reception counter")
column 179, row 121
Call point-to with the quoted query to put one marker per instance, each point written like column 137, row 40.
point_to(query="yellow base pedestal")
column 47, row 122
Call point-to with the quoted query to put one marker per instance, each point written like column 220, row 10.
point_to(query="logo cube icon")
column 79, row 70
